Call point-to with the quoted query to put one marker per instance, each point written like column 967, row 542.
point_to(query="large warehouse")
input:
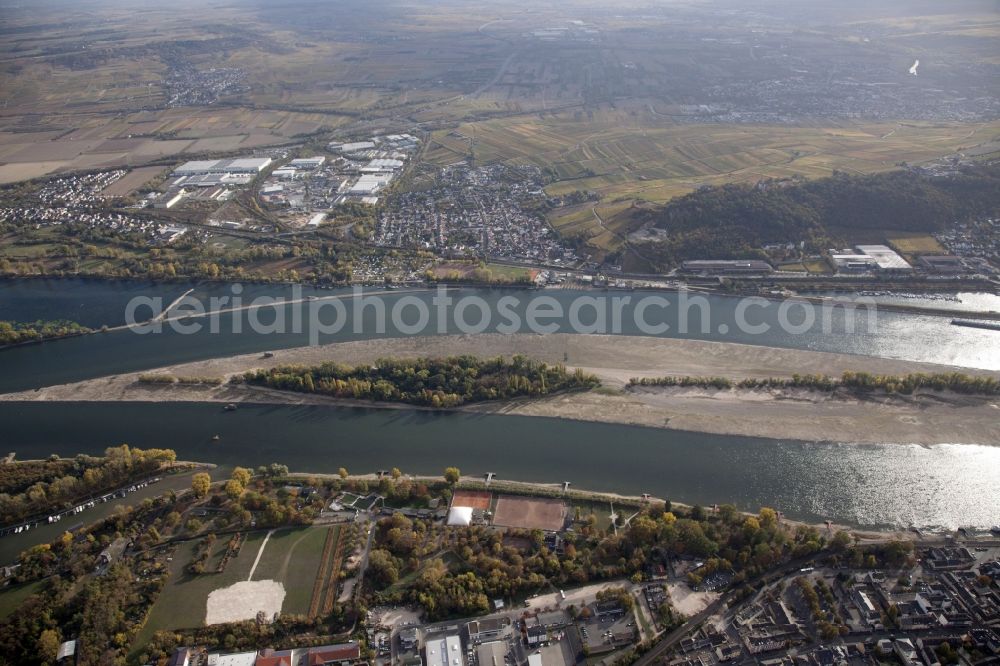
column 885, row 257
column 371, row 183
column 246, row 165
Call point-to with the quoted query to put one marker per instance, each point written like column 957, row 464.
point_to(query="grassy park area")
column 292, row 557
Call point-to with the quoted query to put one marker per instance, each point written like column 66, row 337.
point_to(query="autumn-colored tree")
column 243, row 475
column 234, row 489
column 768, row 518
column 48, row 645
column 200, row 484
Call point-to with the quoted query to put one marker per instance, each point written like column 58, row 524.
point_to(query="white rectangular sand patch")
column 243, row 600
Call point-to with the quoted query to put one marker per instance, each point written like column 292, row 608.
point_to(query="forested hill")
column 733, row 221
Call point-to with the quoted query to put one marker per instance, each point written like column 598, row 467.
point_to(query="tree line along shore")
column 444, row 383
column 16, row 333
column 434, row 382
column 856, row 382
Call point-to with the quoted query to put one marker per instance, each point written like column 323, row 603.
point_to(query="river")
column 871, row 486
column 889, row 334
column 866, row 485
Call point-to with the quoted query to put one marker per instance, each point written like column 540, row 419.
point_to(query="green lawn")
column 818, row 266
column 35, row 251
column 12, row 596
column 509, row 272
column 182, row 603
column 915, row 244
column 600, row 509
column 293, row 557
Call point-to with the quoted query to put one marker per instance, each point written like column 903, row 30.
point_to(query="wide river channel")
column 944, row 486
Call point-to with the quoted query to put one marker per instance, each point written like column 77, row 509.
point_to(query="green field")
column 915, row 244
column 509, row 272
column 13, row 596
column 291, row 556
column 818, row 266
column 602, row 510
column 182, row 602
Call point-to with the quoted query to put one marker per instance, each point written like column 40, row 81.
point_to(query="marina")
column 88, row 503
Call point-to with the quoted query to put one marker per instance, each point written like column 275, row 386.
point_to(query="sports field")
column 916, row 244
column 476, row 499
column 530, row 513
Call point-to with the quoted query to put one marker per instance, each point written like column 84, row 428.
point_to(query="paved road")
column 364, row 561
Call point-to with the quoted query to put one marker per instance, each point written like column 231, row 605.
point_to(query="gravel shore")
column 924, row 419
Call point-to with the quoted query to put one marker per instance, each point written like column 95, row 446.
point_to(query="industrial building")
column 400, row 141
column 942, row 264
column 545, row 657
column 853, row 263
column 169, row 199
column 492, row 654
column 370, row 183
column 234, row 659
column 536, row 635
column 726, row 266
column 352, row 147
column 382, row 165
column 212, row 180
column 306, row 163
column 885, row 257
column 246, row 166
column 445, row 651
column 482, row 630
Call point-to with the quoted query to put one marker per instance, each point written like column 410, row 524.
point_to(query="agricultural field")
column 626, row 158
column 132, row 181
column 635, row 106
column 145, row 137
column 601, row 224
column 621, row 156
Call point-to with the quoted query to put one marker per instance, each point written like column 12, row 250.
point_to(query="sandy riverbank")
column 778, row 414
